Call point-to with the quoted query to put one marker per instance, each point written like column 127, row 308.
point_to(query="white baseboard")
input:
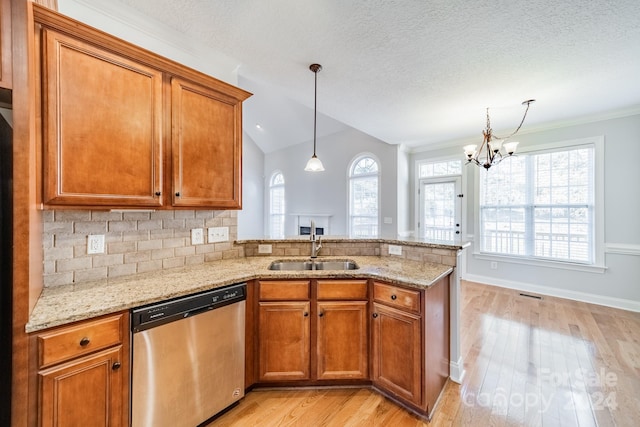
column 456, row 371
column 624, row 304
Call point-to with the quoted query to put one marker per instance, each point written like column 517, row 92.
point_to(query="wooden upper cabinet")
column 206, row 141
column 102, row 126
column 5, row 44
column 124, row 127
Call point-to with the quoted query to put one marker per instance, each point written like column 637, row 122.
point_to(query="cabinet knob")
column 84, row 342
column 393, row 297
column 306, row 314
column 320, row 314
column 375, row 315
column 178, row 194
column 115, row 366
column 158, row 193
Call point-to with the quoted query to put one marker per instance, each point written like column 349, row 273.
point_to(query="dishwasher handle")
column 198, row 311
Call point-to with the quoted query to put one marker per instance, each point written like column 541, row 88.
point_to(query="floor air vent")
column 530, row 296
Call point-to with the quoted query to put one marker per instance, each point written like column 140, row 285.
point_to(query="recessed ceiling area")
column 416, row 72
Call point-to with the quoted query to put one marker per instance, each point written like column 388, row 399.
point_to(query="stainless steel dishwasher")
column 188, row 358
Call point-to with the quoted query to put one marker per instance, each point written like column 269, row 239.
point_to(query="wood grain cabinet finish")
column 284, row 340
column 342, row 344
column 5, row 44
column 207, row 146
column 102, row 126
column 123, row 127
column 313, row 330
column 397, row 352
column 83, row 374
column 410, row 342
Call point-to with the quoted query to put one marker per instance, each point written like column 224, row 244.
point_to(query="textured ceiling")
column 417, row 72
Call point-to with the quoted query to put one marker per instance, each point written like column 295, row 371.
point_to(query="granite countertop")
column 69, row 303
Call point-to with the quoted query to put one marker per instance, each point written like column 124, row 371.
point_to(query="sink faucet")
column 316, row 244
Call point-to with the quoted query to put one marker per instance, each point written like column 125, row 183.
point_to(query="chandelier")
column 314, row 164
column 494, row 148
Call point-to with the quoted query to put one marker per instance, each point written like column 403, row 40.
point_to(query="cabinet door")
column 397, row 342
column 206, row 143
column 5, row 44
column 102, row 126
column 342, row 343
column 87, row 391
column 284, row 339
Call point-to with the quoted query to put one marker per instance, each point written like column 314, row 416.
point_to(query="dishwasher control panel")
column 149, row 316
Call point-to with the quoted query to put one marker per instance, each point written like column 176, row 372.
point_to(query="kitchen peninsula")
column 408, row 291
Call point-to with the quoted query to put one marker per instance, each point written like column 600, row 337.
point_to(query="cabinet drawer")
column 396, row 296
column 68, row 342
column 284, row 290
column 342, row 289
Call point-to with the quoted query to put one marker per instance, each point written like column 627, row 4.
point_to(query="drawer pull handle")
column 393, row 297
column 115, row 366
column 375, row 315
column 84, row 342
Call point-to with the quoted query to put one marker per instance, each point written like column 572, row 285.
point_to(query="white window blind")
column 540, row 205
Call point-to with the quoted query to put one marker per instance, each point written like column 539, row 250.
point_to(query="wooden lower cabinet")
column 342, row 344
column 397, row 352
column 284, row 339
column 87, row 391
column 83, row 373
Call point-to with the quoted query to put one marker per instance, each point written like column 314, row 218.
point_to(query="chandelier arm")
column 519, row 126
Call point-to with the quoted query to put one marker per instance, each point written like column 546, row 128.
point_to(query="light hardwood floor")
column 529, row 362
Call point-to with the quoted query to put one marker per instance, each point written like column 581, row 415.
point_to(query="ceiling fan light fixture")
column 314, row 164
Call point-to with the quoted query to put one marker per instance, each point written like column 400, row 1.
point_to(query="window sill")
column 541, row 263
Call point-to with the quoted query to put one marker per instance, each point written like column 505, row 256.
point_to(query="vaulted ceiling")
column 417, row 72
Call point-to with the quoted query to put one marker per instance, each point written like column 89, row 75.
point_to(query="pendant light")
column 314, row 164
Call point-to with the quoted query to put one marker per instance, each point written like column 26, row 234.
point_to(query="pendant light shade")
column 314, row 164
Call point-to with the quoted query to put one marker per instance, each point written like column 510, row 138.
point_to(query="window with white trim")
column 276, row 206
column 541, row 205
column 430, row 169
column 364, row 177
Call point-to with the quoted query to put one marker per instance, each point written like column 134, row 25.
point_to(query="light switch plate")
column 218, row 234
column 264, row 249
column 95, row 244
column 395, row 250
column 387, row 220
column 197, row 236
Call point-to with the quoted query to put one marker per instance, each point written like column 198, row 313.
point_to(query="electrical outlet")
column 197, row 236
column 264, row 249
column 395, row 250
column 494, row 265
column 218, row 234
column 95, row 244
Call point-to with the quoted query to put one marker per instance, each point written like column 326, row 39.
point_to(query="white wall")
column 619, row 285
column 326, row 192
column 251, row 217
column 403, row 191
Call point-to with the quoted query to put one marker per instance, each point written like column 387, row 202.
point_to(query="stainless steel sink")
column 291, row 265
column 313, row 265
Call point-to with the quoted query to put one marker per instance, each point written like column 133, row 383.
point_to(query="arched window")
column 364, row 177
column 276, row 206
